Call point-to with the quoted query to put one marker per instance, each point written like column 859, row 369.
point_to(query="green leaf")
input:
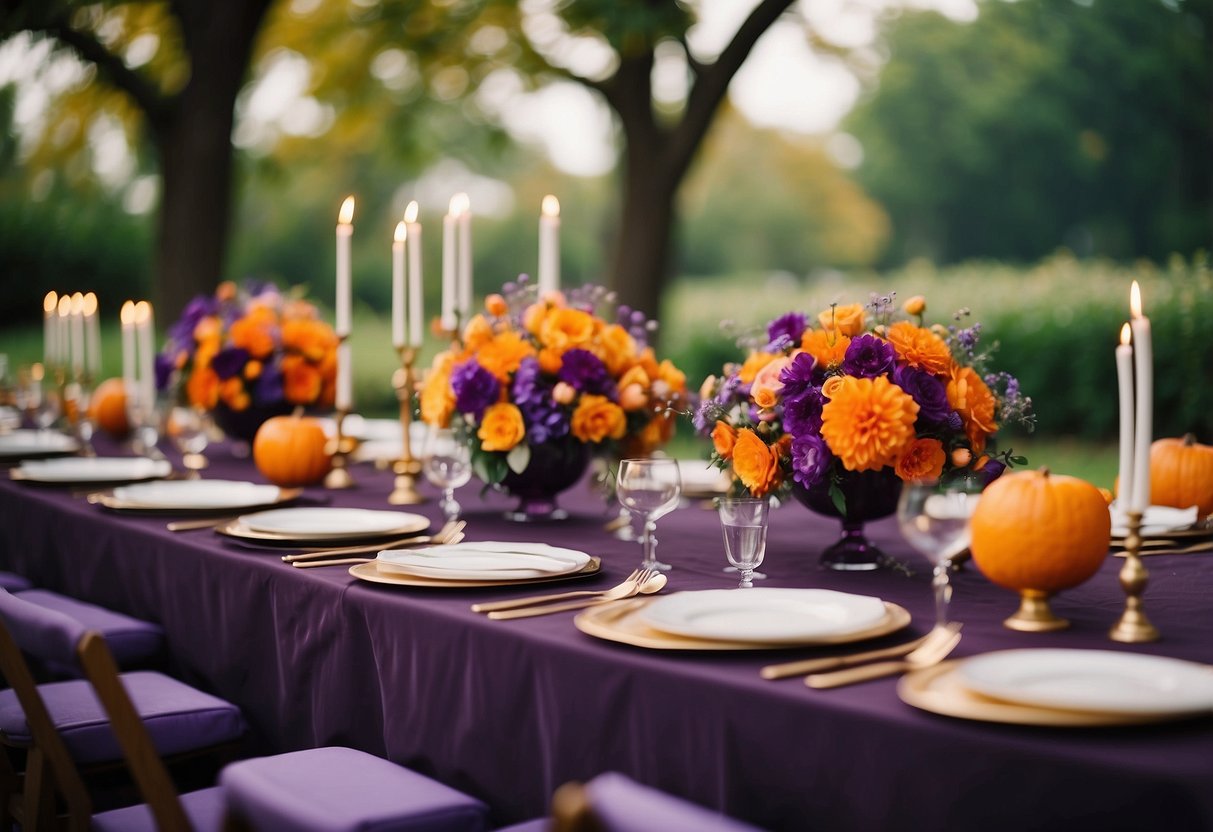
column 838, row 499
column 519, row 458
column 490, row 467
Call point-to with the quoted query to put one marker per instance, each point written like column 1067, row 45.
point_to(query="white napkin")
column 1156, row 520
column 489, row 556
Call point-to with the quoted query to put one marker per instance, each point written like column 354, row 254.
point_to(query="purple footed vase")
column 554, row 467
column 869, row 495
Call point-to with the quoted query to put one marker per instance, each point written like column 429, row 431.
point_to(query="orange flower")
column 477, row 333
column 647, row 361
column 923, row 460
column 226, row 290
column 207, row 329
column 764, row 397
column 755, row 463
column 233, row 394
column 253, row 333
column 202, row 389
column 754, row 362
column 501, row 428
column 615, row 348
column 724, row 437
column 502, row 354
column 312, row 339
column 495, row 305
column 845, row 320
column 868, row 423
column 636, row 375
column 301, row 381
column 972, row 399
column 915, row 305
column 828, row 348
column 534, row 316
column 597, row 418
column 632, row 397
column 920, row 348
column 563, row 329
column 550, row 361
column 830, row 386
column 252, row 370
column 300, row 310
column 437, row 398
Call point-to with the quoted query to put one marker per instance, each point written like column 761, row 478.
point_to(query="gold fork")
column 935, row 649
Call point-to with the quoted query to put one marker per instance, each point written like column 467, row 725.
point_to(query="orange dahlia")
column 868, row 423
column 827, row 347
column 923, row 460
column 920, row 348
column 972, row 399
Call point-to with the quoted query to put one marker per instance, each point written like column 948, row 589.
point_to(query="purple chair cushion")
column 13, row 582
column 205, row 810
column 178, row 717
column 132, row 641
column 48, row 634
column 622, row 805
column 343, row 790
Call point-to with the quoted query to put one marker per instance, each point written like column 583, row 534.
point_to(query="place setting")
column 477, row 564
column 186, row 497
column 91, row 470
column 26, row 443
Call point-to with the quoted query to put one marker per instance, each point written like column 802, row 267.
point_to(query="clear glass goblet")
column 186, row 427
column 934, row 519
column 743, row 521
column 448, row 465
column 649, row 488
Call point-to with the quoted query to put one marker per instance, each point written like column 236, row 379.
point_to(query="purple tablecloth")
column 509, row 710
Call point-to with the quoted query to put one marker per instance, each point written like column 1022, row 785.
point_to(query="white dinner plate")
column 770, row 616
column 10, row 418
column 700, row 478
column 196, row 494
column 29, row 443
column 1156, row 520
column 93, row 469
column 485, row 561
column 371, row 430
column 321, row 522
column 1104, row 681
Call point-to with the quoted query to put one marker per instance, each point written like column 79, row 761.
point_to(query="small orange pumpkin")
column 291, row 451
column 108, row 408
column 1181, row 474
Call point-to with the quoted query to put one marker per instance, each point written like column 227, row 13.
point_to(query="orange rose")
column 845, row 320
column 501, row 428
column 647, row 361
column 637, row 376
column 923, row 460
column 671, row 375
column 754, row 362
column 764, row 397
column 920, row 348
column 564, row 329
column 253, row 333
column 477, row 333
column 534, row 316
column 550, row 361
column 597, row 418
column 831, row 385
column 202, row 389
column 915, row 305
column 615, row 348
column 301, row 381
column 252, row 370
column 972, row 399
column 495, row 305
column 868, row 423
column 437, row 398
column 755, row 463
column 632, row 397
column 233, row 394
column 207, row 329
column 829, row 348
column 724, row 437
column 314, row 339
column 226, row 290
column 503, row 354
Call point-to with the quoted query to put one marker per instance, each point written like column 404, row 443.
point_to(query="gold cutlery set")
column 449, row 534
column 837, row 671
column 640, row 582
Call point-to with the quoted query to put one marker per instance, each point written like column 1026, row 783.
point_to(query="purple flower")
column 991, row 471
column 545, row 420
column 269, row 384
column 930, row 394
column 585, row 372
column 797, row 377
column 181, row 333
column 869, row 357
column 475, row 388
column 164, row 368
column 229, row 362
column 811, row 458
column 802, row 413
column 785, row 331
column 528, row 386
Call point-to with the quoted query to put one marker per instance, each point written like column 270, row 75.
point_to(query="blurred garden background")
column 716, row 161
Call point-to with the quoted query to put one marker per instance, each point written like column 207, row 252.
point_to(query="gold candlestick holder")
column 408, row 467
column 341, row 446
column 1133, row 627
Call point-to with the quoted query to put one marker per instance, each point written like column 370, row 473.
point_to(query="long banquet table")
column 509, row 710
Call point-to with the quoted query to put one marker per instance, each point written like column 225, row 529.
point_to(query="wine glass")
column 186, row 427
column 448, row 465
column 743, row 520
column 934, row 518
column 649, row 488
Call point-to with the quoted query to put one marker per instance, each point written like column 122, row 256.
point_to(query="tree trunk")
column 641, row 263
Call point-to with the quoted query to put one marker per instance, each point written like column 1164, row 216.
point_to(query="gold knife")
column 800, row 668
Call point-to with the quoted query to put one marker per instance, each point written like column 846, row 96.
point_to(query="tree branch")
column 712, row 83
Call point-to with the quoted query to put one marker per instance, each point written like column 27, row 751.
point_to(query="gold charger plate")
column 106, row 499
column 621, row 623
column 939, row 690
column 237, row 530
column 371, row 572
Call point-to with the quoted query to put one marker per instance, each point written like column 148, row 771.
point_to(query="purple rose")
column 545, row 420
column 164, row 367
column 585, row 372
column 785, row 331
column 181, row 333
column 475, row 388
column 229, row 362
column 930, row 394
column 797, row 377
column 269, row 384
column 811, row 459
column 528, row 386
column 868, row 357
column 802, row 413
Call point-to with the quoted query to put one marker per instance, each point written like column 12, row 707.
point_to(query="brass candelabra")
column 341, row 447
column 408, row 467
column 1133, row 627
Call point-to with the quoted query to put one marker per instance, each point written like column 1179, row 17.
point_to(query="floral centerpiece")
column 842, row 408
column 537, row 386
column 248, row 354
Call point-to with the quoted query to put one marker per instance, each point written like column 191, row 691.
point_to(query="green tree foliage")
column 1044, row 123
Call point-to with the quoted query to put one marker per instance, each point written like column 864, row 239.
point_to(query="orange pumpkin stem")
column 1189, row 440
column 297, row 413
column 1044, row 470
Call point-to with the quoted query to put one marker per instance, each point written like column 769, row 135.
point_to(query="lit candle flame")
column 90, row 304
column 1126, row 335
column 346, row 215
column 460, row 204
column 401, row 232
column 143, row 311
column 410, row 213
column 50, row 303
column 1135, row 300
column 128, row 313
column 65, row 306
column 77, row 303
column 551, row 206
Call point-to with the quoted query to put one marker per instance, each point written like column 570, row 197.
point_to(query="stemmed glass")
column 934, row 518
column 448, row 465
column 743, row 521
column 186, row 427
column 649, row 488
